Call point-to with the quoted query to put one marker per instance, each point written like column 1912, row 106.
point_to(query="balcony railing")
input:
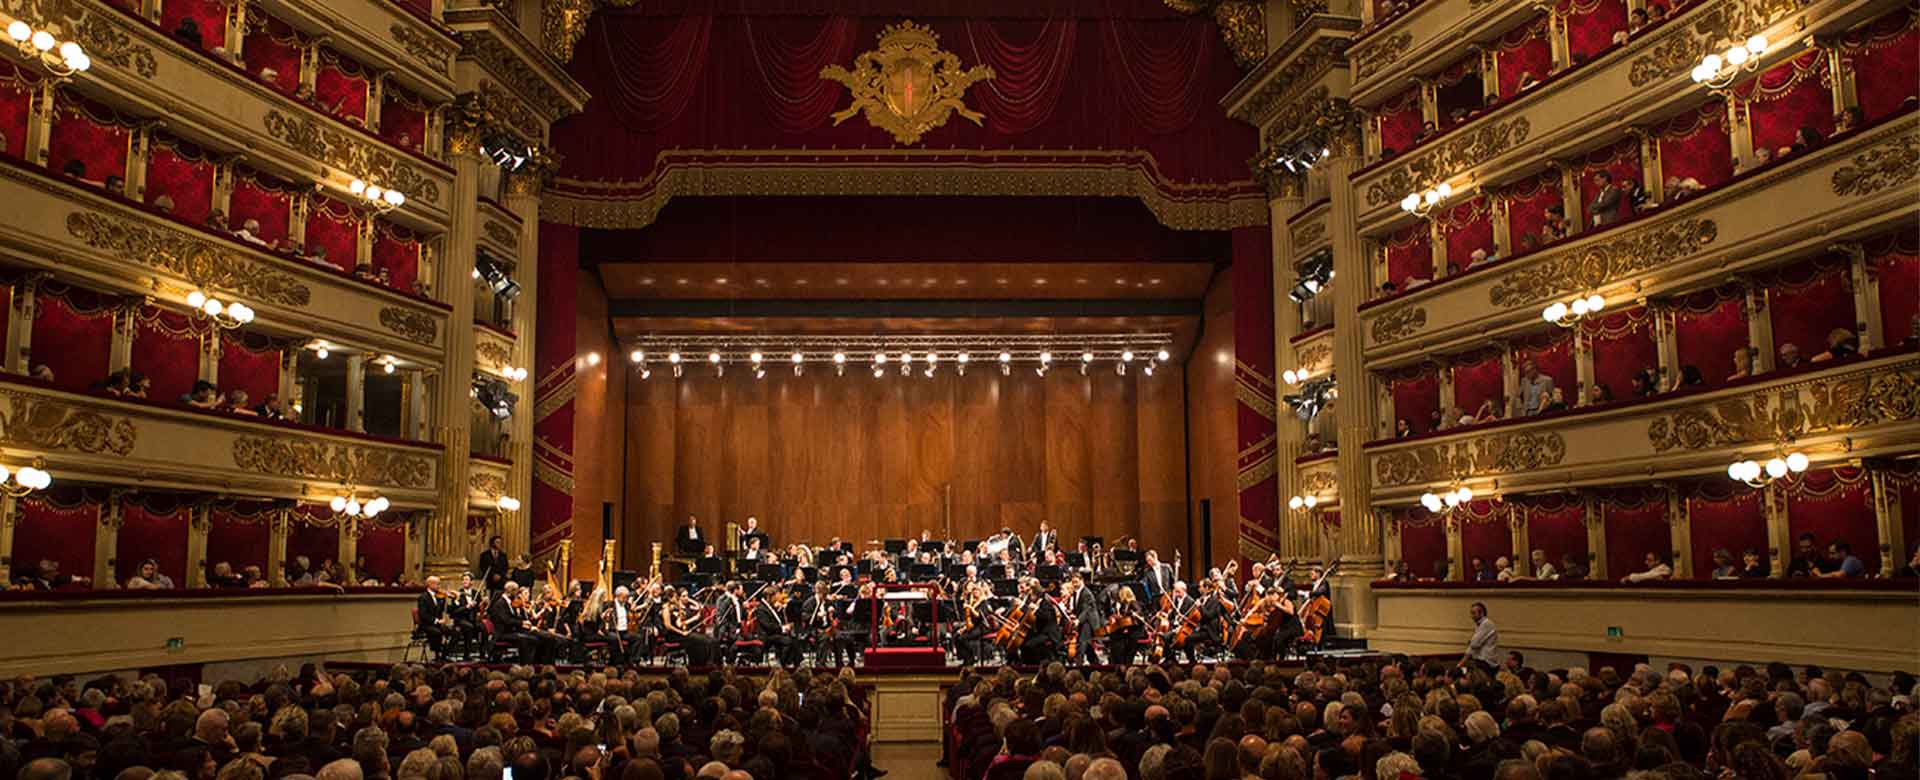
column 1859, row 409
column 380, row 34
column 1419, row 39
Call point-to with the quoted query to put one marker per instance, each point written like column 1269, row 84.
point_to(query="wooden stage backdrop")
column 819, row 455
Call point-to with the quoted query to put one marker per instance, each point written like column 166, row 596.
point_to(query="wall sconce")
column 226, row 316
column 28, row 479
column 1304, row 503
column 61, row 58
column 1756, row 474
column 1448, row 500
column 1718, row 71
column 1567, row 315
column 377, row 197
column 350, row 505
column 507, row 504
column 1420, row 204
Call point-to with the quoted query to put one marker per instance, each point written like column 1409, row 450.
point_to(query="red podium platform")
column 905, row 658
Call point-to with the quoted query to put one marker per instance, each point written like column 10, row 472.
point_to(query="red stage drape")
column 1636, row 524
column 1458, row 91
column 708, row 75
column 184, row 173
column 1552, row 353
column 335, row 226
column 56, row 525
column 72, row 334
column 314, row 533
column 1556, row 525
column 554, row 355
column 1623, row 161
column 241, row 535
column 1484, row 533
column 1708, row 326
column 1527, row 203
column 1810, row 299
column 396, row 253
column 385, row 547
column 166, row 348
column 209, row 16
column 263, row 199
column 1416, row 398
column 1409, row 254
column 1400, row 120
column 1524, row 50
column 1423, row 540
column 90, row 133
column 1477, row 379
column 403, row 117
column 153, row 526
column 1788, row 96
column 1467, row 227
column 1252, row 274
column 1622, row 345
column 1591, row 25
column 340, row 87
column 1695, row 145
column 249, row 362
column 17, row 88
column 1722, row 514
column 1836, row 505
column 1884, row 56
column 1896, row 260
column 275, row 46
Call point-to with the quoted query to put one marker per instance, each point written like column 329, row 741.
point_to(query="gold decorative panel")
column 343, row 150
column 49, row 425
column 1304, row 69
column 1243, row 26
column 201, row 262
column 908, row 85
column 1374, row 57
column 1449, row 158
column 1501, row 453
column 1398, row 323
column 1832, row 404
column 424, row 46
column 1314, row 354
column 500, row 233
column 486, row 483
column 1309, row 232
column 412, row 324
column 1895, row 162
column 332, row 462
column 1679, row 47
column 489, row 52
column 494, row 351
column 1604, row 262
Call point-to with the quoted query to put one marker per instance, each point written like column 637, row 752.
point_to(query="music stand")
column 767, row 571
column 709, row 565
column 1006, row 588
column 809, row 574
column 864, row 568
column 1093, row 541
column 1047, row 574
column 1076, row 560
column 935, row 546
column 894, row 546
column 924, row 572
column 957, row 571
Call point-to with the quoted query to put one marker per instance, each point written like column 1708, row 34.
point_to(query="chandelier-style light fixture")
column 1420, row 204
column 1756, row 474
column 1569, row 314
column 1718, row 71
column 379, row 198
column 60, row 58
column 350, row 505
column 507, row 504
column 26, row 480
column 226, row 316
column 1438, row 502
column 1304, row 503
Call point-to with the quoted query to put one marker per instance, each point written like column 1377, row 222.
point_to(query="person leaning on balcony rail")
column 149, row 577
column 46, row 576
column 1841, row 562
column 1657, row 569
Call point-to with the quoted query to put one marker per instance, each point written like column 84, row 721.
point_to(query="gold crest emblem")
column 907, row 86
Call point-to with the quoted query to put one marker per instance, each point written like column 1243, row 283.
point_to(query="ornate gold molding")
column 489, row 52
column 200, row 262
column 1314, row 354
column 1853, row 400
column 908, row 85
column 1603, row 262
column 510, row 110
column 1895, row 162
column 533, row 175
column 1398, row 323
column 1309, row 232
column 108, row 42
column 563, row 23
column 1678, row 49
column 1300, row 73
column 332, row 462
column 412, row 324
column 424, row 46
column 37, row 423
column 1448, row 158
column 1243, row 27
column 493, row 351
column 486, row 483
column 1500, row 453
column 340, row 149
column 500, row 233
column 1374, row 56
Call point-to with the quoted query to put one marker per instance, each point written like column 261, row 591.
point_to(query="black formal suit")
column 1044, row 540
column 493, row 570
column 688, row 540
column 779, row 642
column 509, row 625
column 1044, row 639
column 727, row 620
column 432, row 607
column 1159, row 581
column 1086, row 612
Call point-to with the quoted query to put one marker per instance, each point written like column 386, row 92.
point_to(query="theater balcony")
column 1392, row 46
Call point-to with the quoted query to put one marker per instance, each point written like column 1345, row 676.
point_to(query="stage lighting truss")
column 925, row 356
column 1315, row 273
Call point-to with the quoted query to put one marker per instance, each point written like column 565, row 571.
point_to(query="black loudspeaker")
column 606, row 520
column 624, row 577
column 1205, row 558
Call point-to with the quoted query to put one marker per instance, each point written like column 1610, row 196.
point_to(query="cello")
column 1313, row 616
column 1013, row 630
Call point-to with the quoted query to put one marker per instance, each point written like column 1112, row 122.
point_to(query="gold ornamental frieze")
column 199, row 261
column 341, row 463
column 1309, row 232
column 342, row 150
column 1279, row 93
column 1374, row 56
column 1849, row 401
column 1678, row 47
column 909, row 85
column 500, row 233
column 41, row 424
column 1604, row 262
column 1398, row 323
column 424, row 46
column 1448, row 159
column 1893, row 162
column 494, row 352
column 412, row 324
column 1482, row 456
column 486, row 483
column 1311, row 356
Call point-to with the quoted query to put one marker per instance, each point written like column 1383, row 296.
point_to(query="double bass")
column 1313, row 616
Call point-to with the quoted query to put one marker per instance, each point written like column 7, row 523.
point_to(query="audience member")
column 1657, row 569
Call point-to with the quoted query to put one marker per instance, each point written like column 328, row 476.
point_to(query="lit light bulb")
column 1086, row 357
column 373, row 192
column 673, row 357
column 1445, row 190
column 394, row 198
column 212, row 307
column 19, row 31
column 80, row 62
column 1126, row 356
column 510, row 503
column 1734, row 471
column 839, row 358
column 1776, row 468
column 339, row 504
column 1711, row 63
column 387, row 367
column 1164, row 355
column 1757, row 45
column 961, row 358
column 713, row 357
column 755, row 357
column 1737, row 55
column 1432, row 197
column 798, row 358
column 196, row 298
column 879, row 358
column 1291, row 377
column 69, row 50
column 1410, row 203
column 33, row 478
column 43, row 40
column 1579, row 307
column 1430, row 501
column 1595, row 303
column 1312, row 501
column 353, row 507
column 320, row 352
column 637, row 356
column 357, row 187
column 1046, row 357
column 1797, row 462
column 1554, row 312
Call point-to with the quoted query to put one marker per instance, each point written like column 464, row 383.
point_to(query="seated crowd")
column 416, row 723
column 1836, row 562
column 299, row 571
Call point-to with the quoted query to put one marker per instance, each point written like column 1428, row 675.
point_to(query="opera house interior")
column 983, row 390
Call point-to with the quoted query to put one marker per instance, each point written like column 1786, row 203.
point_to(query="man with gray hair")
column 727, row 746
column 343, row 769
column 1105, row 769
column 46, row 769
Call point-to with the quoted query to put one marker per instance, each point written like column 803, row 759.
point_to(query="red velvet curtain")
column 1623, row 161
column 403, row 117
column 1400, row 120
column 1416, row 398
column 1695, row 145
column 273, row 55
column 1467, row 227
column 1484, row 533
column 17, row 88
column 1708, row 326
column 263, row 199
column 209, row 17
column 1526, row 50
column 1786, row 97
column 1423, row 540
column 91, row 134
column 1636, row 524
column 705, row 75
column 385, row 547
column 1808, row 300
column 72, row 334
column 1836, row 505
column 184, row 173
column 166, row 348
column 1622, row 345
column 1896, row 259
column 314, row 533
column 1884, row 56
column 1722, row 514
column 1552, row 353
column 341, row 86
column 396, row 252
column 334, row 226
column 153, row 526
column 249, row 362
column 56, row 525
column 1477, row 379
column 1409, row 255
column 241, row 535
column 1556, row 525
column 1527, row 203
column 1591, row 25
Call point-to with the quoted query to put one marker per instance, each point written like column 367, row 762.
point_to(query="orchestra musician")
column 1127, row 628
column 511, row 623
column 1045, row 539
column 467, row 605
column 435, row 615
column 1157, row 576
column 729, row 614
column 822, row 624
column 679, row 622
column 1044, row 639
column 620, row 624
column 493, row 568
column 976, row 616
column 773, row 630
column 687, row 539
column 1085, row 609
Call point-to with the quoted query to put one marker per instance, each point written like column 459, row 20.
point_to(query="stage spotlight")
column 637, row 356
column 960, row 361
column 839, row 364
column 1164, row 357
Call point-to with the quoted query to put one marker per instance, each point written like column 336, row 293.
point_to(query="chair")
column 417, row 639
column 748, row 648
column 498, row 649
column 598, row 648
